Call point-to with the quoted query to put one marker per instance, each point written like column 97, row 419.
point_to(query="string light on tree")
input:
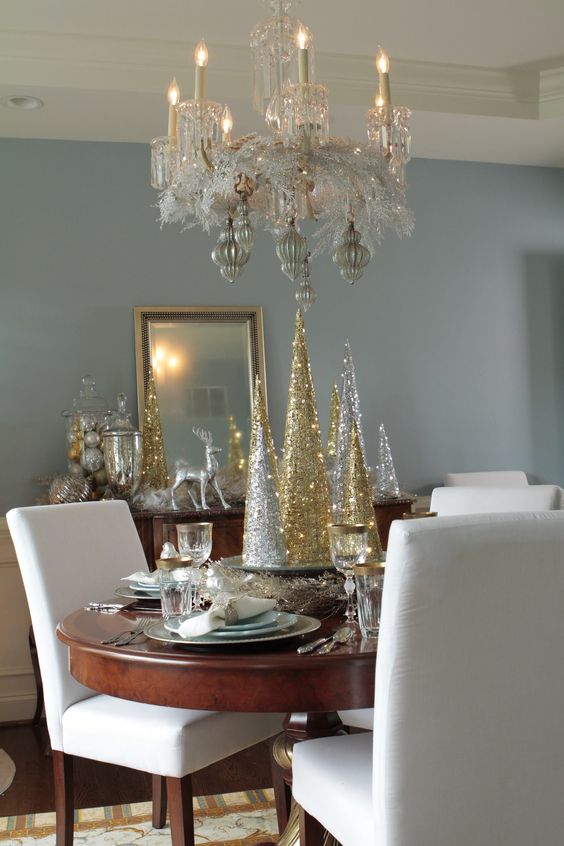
column 264, row 542
column 387, row 485
column 357, row 506
column 333, row 430
column 349, row 413
column 155, row 473
column 306, row 507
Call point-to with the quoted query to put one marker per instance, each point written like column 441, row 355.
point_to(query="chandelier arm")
column 203, row 156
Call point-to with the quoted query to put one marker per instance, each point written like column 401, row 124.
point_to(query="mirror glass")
column 204, row 363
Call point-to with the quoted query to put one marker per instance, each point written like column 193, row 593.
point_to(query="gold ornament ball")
column 101, row 477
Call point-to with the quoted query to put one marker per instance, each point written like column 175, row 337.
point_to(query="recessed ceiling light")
column 22, row 102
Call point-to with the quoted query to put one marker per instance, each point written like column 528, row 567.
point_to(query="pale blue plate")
column 269, row 621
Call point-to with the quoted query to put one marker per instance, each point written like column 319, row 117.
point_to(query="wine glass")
column 195, row 540
column 348, row 545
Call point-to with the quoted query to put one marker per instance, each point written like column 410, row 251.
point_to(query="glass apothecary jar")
column 86, row 422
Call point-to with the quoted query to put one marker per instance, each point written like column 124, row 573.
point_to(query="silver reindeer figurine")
column 184, row 472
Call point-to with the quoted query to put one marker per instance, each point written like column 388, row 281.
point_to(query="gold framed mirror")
column 205, row 361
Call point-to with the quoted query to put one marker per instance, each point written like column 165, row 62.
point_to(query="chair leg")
column 181, row 812
column 36, row 719
column 64, row 802
column 159, row 801
column 312, row 832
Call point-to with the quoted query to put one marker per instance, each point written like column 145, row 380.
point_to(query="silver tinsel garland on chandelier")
column 355, row 191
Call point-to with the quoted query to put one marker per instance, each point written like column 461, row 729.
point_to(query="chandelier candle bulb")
column 201, row 60
column 303, row 56
column 383, row 68
column 173, row 96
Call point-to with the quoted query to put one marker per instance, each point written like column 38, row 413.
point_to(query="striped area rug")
column 229, row 819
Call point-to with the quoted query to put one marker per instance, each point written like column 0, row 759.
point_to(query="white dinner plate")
column 276, row 620
column 303, row 625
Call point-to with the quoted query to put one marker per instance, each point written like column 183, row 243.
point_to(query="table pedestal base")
column 298, row 727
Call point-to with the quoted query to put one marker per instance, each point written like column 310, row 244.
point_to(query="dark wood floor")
column 102, row 784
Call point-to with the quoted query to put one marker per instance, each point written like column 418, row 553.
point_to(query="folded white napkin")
column 143, row 578
column 243, row 606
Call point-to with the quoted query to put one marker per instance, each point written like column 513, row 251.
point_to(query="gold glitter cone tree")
column 304, row 491
column 264, row 542
column 155, row 473
column 333, row 431
column 357, row 504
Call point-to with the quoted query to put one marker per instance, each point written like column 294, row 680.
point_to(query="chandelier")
column 298, row 172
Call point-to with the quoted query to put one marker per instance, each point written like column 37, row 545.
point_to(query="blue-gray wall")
column 456, row 332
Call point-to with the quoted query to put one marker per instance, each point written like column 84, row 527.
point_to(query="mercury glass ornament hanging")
column 305, row 293
column 228, row 254
column 242, row 228
column 351, row 256
column 291, row 249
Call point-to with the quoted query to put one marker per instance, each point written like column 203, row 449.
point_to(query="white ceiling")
column 485, row 78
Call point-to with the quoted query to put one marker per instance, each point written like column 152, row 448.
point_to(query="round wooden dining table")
column 272, row 677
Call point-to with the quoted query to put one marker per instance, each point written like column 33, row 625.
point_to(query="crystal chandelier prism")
column 354, row 191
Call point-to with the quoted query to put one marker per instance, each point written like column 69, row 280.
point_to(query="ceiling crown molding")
column 140, row 64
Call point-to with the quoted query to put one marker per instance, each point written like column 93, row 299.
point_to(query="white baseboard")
column 17, row 707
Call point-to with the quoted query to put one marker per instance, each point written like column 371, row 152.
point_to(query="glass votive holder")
column 176, row 589
column 369, row 579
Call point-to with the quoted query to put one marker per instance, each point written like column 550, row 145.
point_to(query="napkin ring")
column 231, row 615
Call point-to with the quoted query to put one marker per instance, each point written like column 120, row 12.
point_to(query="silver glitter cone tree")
column 386, row 480
column 349, row 414
column 264, row 542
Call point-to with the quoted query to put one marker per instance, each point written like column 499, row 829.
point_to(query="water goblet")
column 348, row 545
column 175, row 582
column 195, row 540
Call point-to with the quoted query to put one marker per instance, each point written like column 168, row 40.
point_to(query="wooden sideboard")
column 156, row 527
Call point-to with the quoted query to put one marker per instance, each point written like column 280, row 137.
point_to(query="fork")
column 123, row 638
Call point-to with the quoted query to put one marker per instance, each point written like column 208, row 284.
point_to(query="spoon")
column 340, row 636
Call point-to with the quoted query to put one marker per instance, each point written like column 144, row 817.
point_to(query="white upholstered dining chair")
column 475, row 500
column 70, row 555
column 487, row 500
column 489, row 478
column 468, row 737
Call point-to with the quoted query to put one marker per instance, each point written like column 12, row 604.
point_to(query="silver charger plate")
column 303, row 625
column 313, row 569
column 128, row 593
column 275, row 621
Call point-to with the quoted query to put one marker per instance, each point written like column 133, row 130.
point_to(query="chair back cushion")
column 474, row 500
column 494, row 479
column 468, row 729
column 69, row 555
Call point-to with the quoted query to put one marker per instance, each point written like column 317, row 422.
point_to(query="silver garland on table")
column 320, row 596
column 200, row 196
column 349, row 414
column 264, row 542
column 386, row 480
